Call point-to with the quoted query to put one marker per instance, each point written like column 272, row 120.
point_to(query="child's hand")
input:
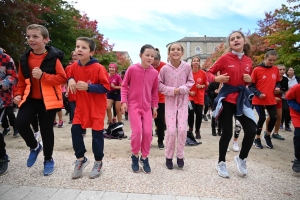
column 66, row 94
column 37, row 73
column 176, row 91
column 192, row 93
column 81, row 85
column 222, row 78
column 17, row 99
column 247, row 78
column 277, row 90
column 277, row 99
column 71, row 86
column 123, row 107
column 154, row 113
column 262, row 96
column 112, row 85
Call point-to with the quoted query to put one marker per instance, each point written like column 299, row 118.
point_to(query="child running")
column 235, row 68
column 39, row 93
column 89, row 81
column 175, row 81
column 265, row 81
column 293, row 99
column 196, row 96
column 139, row 93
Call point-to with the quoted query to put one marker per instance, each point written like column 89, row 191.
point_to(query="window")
column 197, row 50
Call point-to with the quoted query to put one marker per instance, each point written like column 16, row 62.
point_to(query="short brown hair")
column 90, row 41
column 42, row 29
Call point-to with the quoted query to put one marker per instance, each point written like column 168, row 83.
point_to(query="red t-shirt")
column 294, row 94
column 161, row 97
column 265, row 81
column 199, row 78
column 116, row 80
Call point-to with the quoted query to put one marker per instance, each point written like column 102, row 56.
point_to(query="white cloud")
column 113, row 13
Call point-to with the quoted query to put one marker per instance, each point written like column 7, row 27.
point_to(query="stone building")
column 200, row 46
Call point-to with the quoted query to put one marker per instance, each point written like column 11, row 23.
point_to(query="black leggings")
column 248, row 125
column 160, row 122
column 286, row 117
column 206, row 104
column 197, row 109
column 2, row 142
column 262, row 117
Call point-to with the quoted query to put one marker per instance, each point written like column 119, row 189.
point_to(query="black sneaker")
column 268, row 141
column 219, row 132
column 214, row 133
column 145, row 165
column 161, row 145
column 180, row 162
column 4, row 165
column 296, row 166
column 208, row 116
column 205, row 118
column 198, row 136
column 135, row 163
column 169, row 163
column 16, row 132
column 6, row 131
column 257, row 143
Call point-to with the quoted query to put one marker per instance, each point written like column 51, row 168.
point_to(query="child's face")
column 36, row 41
column 281, row 70
column 175, row 52
column 156, row 63
column 195, row 63
column 270, row 60
column 74, row 57
column 147, row 57
column 236, row 42
column 112, row 69
column 83, row 50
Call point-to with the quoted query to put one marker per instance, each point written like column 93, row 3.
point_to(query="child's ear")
column 47, row 40
column 140, row 56
column 92, row 53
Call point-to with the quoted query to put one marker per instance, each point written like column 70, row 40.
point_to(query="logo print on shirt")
column 230, row 65
column 247, row 69
column 273, row 76
column 199, row 80
column 264, row 77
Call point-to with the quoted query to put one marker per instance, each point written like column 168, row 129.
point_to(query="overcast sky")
column 132, row 23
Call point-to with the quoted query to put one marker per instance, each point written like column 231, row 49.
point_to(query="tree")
column 15, row 16
column 212, row 59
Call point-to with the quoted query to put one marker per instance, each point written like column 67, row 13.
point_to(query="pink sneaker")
column 60, row 124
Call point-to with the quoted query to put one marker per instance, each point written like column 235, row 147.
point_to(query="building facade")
column 199, row 46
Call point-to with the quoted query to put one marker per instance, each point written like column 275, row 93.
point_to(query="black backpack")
column 114, row 131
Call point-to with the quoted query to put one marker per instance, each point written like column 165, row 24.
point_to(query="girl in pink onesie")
column 175, row 81
column 139, row 93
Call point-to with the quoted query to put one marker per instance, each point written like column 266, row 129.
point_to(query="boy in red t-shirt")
column 293, row 99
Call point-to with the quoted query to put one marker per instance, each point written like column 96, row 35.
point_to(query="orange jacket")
column 48, row 87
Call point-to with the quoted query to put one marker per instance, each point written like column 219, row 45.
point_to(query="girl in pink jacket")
column 175, row 81
column 139, row 93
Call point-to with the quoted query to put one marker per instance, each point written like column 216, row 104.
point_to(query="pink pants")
column 176, row 127
column 141, row 127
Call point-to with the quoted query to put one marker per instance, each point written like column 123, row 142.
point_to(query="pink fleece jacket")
column 140, row 88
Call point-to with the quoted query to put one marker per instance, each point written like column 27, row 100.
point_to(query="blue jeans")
column 297, row 142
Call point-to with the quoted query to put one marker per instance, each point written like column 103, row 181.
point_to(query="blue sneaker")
column 268, row 141
column 48, row 167
column 135, row 163
column 145, row 165
column 33, row 155
column 257, row 143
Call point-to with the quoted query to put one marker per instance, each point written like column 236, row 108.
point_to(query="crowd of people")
column 176, row 94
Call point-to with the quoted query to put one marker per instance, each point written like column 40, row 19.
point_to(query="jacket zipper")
column 55, row 93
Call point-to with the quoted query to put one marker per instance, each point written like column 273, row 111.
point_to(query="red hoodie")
column 235, row 68
column 294, row 94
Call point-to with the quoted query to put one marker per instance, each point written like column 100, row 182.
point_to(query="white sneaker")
column 37, row 136
column 241, row 165
column 236, row 146
column 222, row 169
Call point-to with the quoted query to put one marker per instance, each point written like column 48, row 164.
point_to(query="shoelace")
column 243, row 163
column 78, row 164
column 223, row 167
column 97, row 166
